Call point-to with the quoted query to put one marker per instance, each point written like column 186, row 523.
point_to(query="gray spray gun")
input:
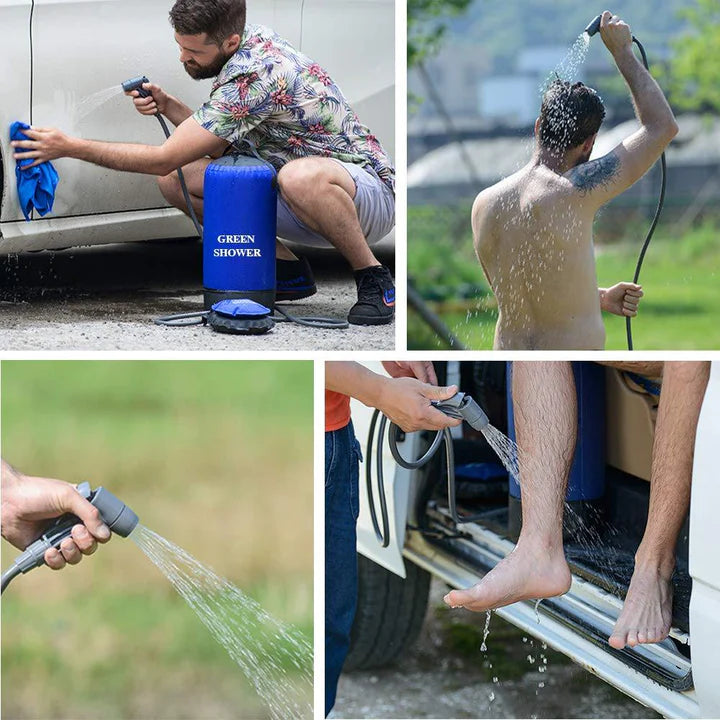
column 462, row 406
column 114, row 512
column 136, row 83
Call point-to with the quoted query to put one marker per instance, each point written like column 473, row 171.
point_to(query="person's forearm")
column 651, row 107
column 176, row 111
column 147, row 159
column 355, row 380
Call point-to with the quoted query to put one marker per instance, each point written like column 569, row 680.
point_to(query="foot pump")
column 592, row 29
column 240, row 202
column 114, row 512
column 460, row 406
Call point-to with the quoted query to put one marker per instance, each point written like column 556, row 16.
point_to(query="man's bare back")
column 533, row 230
column 534, row 240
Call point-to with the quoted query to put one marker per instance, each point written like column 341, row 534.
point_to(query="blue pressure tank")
column 239, row 230
column 587, row 474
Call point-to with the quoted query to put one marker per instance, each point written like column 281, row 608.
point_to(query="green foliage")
column 694, row 74
column 427, row 25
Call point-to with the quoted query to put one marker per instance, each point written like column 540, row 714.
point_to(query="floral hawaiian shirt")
column 288, row 107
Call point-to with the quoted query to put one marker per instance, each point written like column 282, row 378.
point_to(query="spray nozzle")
column 114, row 512
column 594, row 26
column 136, row 83
column 464, row 407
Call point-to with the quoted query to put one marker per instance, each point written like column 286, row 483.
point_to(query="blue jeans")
column 342, row 456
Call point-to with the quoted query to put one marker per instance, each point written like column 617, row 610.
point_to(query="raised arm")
column 603, row 179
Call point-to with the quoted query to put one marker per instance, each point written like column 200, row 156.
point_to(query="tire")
column 389, row 616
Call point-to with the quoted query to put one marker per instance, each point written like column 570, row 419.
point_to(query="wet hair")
column 218, row 18
column 569, row 115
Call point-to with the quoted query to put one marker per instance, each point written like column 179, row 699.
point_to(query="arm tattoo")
column 596, row 173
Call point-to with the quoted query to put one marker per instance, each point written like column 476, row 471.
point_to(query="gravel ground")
column 447, row 676
column 105, row 298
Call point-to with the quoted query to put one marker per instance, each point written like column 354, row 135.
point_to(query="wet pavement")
column 447, row 676
column 106, row 297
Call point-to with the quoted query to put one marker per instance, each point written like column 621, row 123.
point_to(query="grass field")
column 680, row 276
column 215, row 456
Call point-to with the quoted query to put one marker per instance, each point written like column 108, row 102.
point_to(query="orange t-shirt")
column 337, row 410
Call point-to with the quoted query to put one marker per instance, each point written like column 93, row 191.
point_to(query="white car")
column 424, row 540
column 60, row 59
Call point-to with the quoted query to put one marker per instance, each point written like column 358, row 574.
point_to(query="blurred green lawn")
column 215, row 456
column 680, row 276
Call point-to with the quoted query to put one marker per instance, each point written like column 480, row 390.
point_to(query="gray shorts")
column 374, row 201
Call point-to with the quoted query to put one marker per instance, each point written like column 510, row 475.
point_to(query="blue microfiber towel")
column 36, row 187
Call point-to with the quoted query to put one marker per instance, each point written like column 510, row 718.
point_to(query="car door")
column 362, row 62
column 14, row 92
column 704, row 566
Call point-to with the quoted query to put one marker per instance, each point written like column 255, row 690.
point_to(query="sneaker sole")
column 372, row 321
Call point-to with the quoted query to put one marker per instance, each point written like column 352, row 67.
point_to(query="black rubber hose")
column 181, row 177
column 658, row 210
column 442, row 437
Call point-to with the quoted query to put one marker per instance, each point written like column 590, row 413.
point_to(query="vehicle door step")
column 587, row 612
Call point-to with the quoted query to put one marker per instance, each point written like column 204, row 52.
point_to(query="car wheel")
column 390, row 613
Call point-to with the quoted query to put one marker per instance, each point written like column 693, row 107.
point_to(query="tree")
column 427, row 25
column 694, row 73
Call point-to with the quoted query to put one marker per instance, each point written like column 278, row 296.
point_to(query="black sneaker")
column 293, row 279
column 376, row 297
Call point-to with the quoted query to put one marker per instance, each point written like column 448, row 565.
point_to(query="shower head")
column 464, row 407
column 594, row 26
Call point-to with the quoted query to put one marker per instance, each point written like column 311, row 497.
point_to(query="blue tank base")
column 264, row 297
column 586, row 517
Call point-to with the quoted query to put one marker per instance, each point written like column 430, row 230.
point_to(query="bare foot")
column 529, row 571
column 647, row 613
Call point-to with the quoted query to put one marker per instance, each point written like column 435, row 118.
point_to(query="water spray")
column 592, row 29
column 114, row 512
column 460, row 406
column 238, row 244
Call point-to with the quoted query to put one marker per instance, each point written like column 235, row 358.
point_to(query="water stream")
column 486, row 631
column 90, row 103
column 505, row 448
column 276, row 658
column 567, row 69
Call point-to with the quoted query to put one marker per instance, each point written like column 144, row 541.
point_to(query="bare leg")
column 194, row 174
column 546, row 424
column 647, row 613
column 320, row 192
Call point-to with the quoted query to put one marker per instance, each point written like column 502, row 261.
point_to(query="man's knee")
column 170, row 186
column 301, row 179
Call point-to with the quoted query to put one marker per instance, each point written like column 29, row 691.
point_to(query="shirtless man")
column 533, row 230
column 546, row 424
